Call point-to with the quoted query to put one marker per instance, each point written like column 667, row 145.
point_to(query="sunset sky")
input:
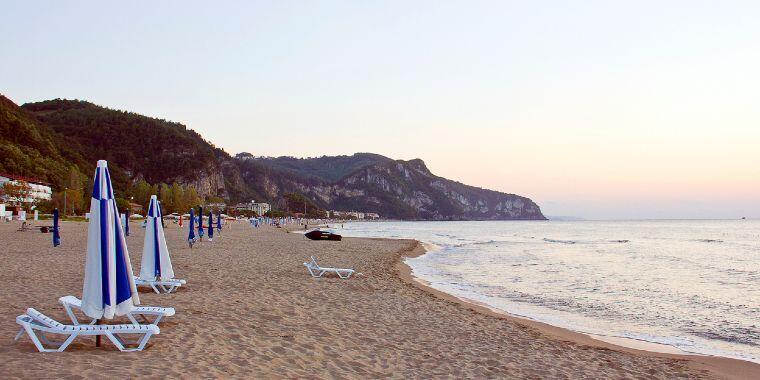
column 595, row 109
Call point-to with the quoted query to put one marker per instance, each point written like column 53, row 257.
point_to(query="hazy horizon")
column 596, row 110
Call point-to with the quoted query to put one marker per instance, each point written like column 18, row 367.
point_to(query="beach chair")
column 317, row 271
column 159, row 286
column 34, row 322
column 143, row 312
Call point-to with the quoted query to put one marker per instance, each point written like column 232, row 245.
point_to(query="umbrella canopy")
column 210, row 225
column 56, row 231
column 191, row 235
column 219, row 222
column 109, row 288
column 200, row 222
column 155, row 258
column 126, row 224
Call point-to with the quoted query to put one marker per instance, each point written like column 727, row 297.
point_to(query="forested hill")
column 58, row 140
column 136, row 147
column 31, row 149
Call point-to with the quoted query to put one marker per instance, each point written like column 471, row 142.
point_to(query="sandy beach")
column 251, row 310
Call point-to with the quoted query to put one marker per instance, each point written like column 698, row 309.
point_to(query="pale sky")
column 596, row 109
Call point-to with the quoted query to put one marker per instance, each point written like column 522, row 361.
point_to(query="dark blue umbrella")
column 56, row 230
column 219, row 222
column 126, row 223
column 200, row 222
column 210, row 225
column 191, row 235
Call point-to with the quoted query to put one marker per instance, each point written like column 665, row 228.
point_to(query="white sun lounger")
column 317, row 271
column 33, row 322
column 144, row 312
column 159, row 286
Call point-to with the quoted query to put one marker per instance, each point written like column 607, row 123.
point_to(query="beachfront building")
column 217, row 206
column 353, row 215
column 36, row 191
column 259, row 208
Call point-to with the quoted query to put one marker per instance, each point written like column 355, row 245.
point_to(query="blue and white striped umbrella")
column 109, row 288
column 155, row 258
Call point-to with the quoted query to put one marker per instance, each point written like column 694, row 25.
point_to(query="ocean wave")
column 560, row 241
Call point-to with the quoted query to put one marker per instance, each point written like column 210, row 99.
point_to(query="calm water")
column 694, row 285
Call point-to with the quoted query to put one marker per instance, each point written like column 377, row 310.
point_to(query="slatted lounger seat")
column 159, row 286
column 317, row 271
column 34, row 322
column 144, row 312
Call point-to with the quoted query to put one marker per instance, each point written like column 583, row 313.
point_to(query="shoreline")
column 721, row 367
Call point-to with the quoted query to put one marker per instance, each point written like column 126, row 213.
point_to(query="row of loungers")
column 37, row 325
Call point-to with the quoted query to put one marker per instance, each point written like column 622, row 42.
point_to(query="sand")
column 251, row 310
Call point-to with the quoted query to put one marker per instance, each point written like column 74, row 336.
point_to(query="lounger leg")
column 35, row 340
column 115, row 340
column 155, row 289
column 20, row 332
column 120, row 342
column 144, row 341
column 67, row 342
column 132, row 319
column 71, row 314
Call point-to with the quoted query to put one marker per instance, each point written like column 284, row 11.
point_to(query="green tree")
column 166, row 198
column 142, row 193
column 75, row 191
column 191, row 198
column 178, row 199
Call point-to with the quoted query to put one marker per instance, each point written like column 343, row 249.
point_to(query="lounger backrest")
column 71, row 301
column 43, row 319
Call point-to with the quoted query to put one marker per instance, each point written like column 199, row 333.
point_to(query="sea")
column 693, row 285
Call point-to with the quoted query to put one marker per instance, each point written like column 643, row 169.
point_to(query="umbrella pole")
column 97, row 337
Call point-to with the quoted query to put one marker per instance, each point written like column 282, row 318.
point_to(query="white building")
column 38, row 190
column 258, row 208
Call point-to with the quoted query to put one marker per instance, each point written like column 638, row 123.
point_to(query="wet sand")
column 251, row 310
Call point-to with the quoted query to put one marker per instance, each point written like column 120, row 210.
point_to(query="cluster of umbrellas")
column 191, row 237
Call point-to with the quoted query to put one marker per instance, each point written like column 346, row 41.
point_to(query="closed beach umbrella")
column 191, row 235
column 210, row 225
column 126, row 224
column 56, row 230
column 219, row 222
column 200, row 222
column 155, row 258
column 109, row 288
